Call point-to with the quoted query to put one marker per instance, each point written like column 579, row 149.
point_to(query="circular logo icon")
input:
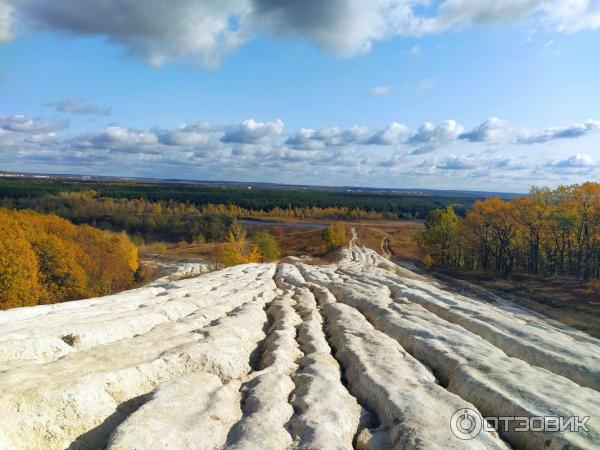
column 466, row 423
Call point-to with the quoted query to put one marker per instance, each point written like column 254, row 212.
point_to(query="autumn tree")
column 47, row 259
column 440, row 237
column 19, row 283
column 59, row 270
column 334, row 236
column 549, row 232
column 237, row 249
column 268, row 245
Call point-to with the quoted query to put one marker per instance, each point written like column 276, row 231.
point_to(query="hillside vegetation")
column 46, row 259
column 550, row 233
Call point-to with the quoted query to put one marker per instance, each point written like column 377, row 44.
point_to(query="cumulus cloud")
column 429, row 136
column 497, row 131
column 460, row 13
column 178, row 137
column 6, row 138
column 554, row 133
column 75, row 105
column 117, row 138
column 206, row 30
column 578, row 161
column 304, row 139
column 44, row 139
column 572, row 15
column 259, row 149
column 457, row 162
column 156, row 30
column 380, row 91
column 492, row 130
column 394, row 133
column 309, row 139
column 347, row 27
column 335, row 137
column 22, row 124
column 506, row 164
column 252, row 132
column 196, row 134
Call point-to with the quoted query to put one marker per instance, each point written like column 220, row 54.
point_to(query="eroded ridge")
column 326, row 414
column 357, row 354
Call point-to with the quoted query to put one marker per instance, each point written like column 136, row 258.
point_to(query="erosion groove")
column 360, row 354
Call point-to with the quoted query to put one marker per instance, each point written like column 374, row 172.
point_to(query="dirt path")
column 385, row 247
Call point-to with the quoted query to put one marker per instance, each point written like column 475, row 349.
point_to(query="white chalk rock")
column 193, row 412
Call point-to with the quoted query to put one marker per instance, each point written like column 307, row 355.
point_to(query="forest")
column 548, row 233
column 392, row 205
column 45, row 259
column 169, row 220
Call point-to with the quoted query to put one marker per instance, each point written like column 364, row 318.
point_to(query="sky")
column 495, row 95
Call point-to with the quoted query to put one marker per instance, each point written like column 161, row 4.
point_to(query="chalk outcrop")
column 357, row 354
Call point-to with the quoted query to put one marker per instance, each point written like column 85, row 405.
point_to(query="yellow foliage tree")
column 19, row 284
column 550, row 232
column 46, row 259
column 237, row 249
column 334, row 237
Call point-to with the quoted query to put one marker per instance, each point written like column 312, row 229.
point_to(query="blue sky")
column 460, row 94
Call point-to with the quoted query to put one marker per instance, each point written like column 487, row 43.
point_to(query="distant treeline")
column 167, row 220
column 145, row 220
column 403, row 206
column 550, row 233
column 46, row 259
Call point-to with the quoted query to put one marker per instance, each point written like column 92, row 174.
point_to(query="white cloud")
column 554, row 133
column 6, row 138
column 572, row 15
column 394, row 133
column 308, row 139
column 331, row 155
column 457, row 162
column 22, row 124
column 158, row 31
column 304, row 139
column 380, row 91
column 75, row 105
column 44, row 139
column 205, row 30
column 429, row 136
column 460, row 13
column 252, row 132
column 580, row 160
column 497, row 131
column 347, row 27
column 492, row 130
column 334, row 136
column 117, row 138
column 176, row 137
